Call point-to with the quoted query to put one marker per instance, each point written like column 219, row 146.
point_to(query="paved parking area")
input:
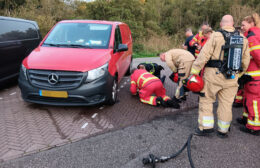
column 28, row 128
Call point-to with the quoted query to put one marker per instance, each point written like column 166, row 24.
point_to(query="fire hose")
column 152, row 160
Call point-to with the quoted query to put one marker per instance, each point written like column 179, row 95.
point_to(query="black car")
column 18, row 37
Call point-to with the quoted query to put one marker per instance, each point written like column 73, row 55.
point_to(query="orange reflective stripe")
column 148, row 102
column 141, row 77
column 148, row 79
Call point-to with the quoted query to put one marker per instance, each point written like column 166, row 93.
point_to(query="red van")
column 79, row 62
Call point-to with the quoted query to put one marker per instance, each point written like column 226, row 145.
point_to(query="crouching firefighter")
column 225, row 54
column 154, row 69
column 179, row 61
column 148, row 84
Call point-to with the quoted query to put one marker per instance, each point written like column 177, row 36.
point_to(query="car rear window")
column 85, row 35
column 17, row 30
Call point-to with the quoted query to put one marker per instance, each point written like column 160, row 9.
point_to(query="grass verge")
column 143, row 55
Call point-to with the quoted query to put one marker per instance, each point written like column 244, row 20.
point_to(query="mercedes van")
column 78, row 63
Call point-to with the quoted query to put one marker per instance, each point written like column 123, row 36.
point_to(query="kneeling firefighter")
column 179, row 61
column 154, row 69
column 225, row 54
column 148, row 84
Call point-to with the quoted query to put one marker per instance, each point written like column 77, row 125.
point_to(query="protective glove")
column 172, row 76
column 244, row 79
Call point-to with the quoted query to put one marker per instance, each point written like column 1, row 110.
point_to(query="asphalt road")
column 126, row 147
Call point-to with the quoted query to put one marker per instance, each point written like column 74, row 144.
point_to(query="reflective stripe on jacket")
column 197, row 39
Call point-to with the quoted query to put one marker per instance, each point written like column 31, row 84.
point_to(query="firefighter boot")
column 250, row 131
column 242, row 121
column 161, row 102
column 223, row 135
column 204, row 132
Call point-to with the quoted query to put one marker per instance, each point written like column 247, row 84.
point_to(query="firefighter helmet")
column 194, row 83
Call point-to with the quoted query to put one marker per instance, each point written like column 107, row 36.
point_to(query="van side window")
column 118, row 39
column 17, row 30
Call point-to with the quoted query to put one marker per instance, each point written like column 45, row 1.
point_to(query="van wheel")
column 112, row 97
column 128, row 72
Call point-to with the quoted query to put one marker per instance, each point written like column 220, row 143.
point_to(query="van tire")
column 113, row 95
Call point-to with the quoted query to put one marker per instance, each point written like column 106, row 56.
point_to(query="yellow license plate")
column 50, row 93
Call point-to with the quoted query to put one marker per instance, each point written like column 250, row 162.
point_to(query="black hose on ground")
column 152, row 160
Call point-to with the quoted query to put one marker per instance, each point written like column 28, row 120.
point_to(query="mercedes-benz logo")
column 53, row 78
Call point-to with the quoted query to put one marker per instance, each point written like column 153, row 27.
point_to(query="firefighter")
column 179, row 61
column 206, row 33
column 251, row 79
column 154, row 69
column 148, row 84
column 199, row 38
column 219, row 79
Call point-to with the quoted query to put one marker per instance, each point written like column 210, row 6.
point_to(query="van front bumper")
column 87, row 94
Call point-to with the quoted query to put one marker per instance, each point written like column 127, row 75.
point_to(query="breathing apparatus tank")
column 232, row 61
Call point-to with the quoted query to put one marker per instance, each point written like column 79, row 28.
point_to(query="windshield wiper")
column 77, row 46
column 50, row 44
column 68, row 45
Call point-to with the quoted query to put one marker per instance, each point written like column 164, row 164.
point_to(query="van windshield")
column 79, row 35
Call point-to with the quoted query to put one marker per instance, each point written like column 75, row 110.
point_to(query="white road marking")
column 94, row 115
column 101, row 108
column 13, row 93
column 84, row 126
column 122, row 86
column 125, row 83
column 118, row 90
column 1, row 98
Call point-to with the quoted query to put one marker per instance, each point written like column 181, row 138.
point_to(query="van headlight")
column 97, row 73
column 24, row 71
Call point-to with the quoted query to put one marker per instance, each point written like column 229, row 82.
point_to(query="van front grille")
column 55, row 79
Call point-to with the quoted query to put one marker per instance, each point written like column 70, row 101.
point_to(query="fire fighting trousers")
column 154, row 88
column 224, row 112
column 252, row 105
column 183, row 73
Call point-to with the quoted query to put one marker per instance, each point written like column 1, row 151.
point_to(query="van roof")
column 92, row 21
column 16, row 19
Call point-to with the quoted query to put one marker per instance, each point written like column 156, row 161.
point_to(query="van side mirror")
column 122, row 47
